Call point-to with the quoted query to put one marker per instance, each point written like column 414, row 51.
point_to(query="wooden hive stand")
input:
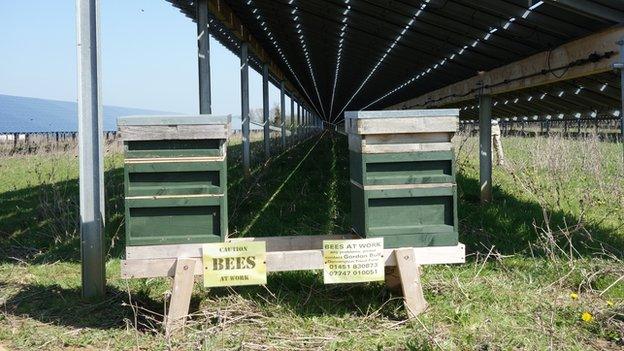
column 290, row 253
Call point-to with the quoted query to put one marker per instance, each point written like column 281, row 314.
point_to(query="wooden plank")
column 401, row 142
column 398, row 114
column 408, row 138
column 390, row 148
column 160, row 197
column 403, row 186
column 273, row 243
column 174, row 159
column 174, row 132
column 441, row 124
column 180, row 295
column 280, row 261
column 389, row 143
column 408, row 157
column 168, row 120
column 299, row 242
column 409, row 274
column 508, row 78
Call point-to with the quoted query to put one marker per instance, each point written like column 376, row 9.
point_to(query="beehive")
column 175, row 178
column 403, row 176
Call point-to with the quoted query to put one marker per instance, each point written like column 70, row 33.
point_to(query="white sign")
column 353, row 261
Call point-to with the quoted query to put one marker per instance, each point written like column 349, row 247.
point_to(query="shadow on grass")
column 509, row 224
column 304, row 294
column 65, row 306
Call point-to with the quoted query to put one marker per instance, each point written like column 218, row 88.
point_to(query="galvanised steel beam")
column 292, row 115
column 485, row 148
column 620, row 65
column 298, row 117
column 283, row 111
column 203, row 57
column 244, row 67
column 90, row 151
column 265, row 110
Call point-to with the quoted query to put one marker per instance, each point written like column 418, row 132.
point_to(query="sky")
column 148, row 56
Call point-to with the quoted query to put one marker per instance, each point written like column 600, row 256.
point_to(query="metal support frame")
column 507, row 78
column 292, row 113
column 485, row 147
column 244, row 67
column 298, row 117
column 283, row 111
column 203, row 57
column 265, row 110
column 90, row 154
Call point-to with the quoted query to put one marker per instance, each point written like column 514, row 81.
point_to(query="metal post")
column 485, row 147
column 203, row 56
column 265, row 109
column 283, row 111
column 91, row 167
column 292, row 113
column 307, row 121
column 244, row 57
column 304, row 115
column 298, row 118
column 578, row 127
column 621, row 66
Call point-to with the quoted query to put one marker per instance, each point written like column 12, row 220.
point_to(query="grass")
column 513, row 293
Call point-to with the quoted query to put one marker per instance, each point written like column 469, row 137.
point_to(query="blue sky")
column 148, row 50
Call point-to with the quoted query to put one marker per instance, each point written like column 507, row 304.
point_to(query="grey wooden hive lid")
column 402, row 113
column 172, row 120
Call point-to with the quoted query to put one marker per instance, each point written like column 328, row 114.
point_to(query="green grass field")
column 546, row 253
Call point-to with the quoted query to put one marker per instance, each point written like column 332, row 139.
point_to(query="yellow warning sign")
column 230, row 264
column 353, row 261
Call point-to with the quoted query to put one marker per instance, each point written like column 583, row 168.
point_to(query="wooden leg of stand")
column 409, row 273
column 180, row 295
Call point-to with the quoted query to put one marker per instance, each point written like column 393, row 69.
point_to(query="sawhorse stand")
column 292, row 253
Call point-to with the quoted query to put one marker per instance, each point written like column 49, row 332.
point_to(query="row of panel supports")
column 305, row 117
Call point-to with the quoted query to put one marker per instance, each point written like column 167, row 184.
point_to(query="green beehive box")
column 415, row 216
column 402, row 172
column 175, row 178
column 402, row 168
